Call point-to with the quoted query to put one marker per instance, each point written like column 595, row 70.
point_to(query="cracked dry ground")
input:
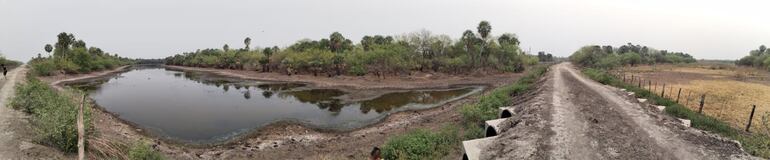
column 572, row 117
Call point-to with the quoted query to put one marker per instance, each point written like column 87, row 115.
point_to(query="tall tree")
column 336, row 40
column 247, row 41
column 508, row 39
column 367, row 42
column 484, row 28
column 226, row 48
column 79, row 44
column 64, row 40
column 469, row 39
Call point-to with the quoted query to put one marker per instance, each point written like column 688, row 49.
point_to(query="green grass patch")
column 54, row 116
column 143, row 151
column 422, row 144
column 754, row 143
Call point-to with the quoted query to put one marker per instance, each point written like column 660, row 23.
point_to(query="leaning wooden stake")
column 702, row 99
column 678, row 94
column 81, row 131
column 751, row 116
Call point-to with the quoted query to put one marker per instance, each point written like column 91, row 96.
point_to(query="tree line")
column 759, row 57
column 375, row 54
column 71, row 56
column 608, row 57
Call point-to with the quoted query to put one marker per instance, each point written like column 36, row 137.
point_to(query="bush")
column 357, row 70
column 421, row 144
column 43, row 68
column 142, row 151
column 54, row 116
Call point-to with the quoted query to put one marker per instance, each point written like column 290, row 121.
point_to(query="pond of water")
column 197, row 107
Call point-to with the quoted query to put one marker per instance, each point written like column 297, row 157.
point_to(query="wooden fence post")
column 678, row 94
column 649, row 85
column 81, row 130
column 640, row 83
column 689, row 96
column 663, row 91
column 702, row 99
column 751, row 116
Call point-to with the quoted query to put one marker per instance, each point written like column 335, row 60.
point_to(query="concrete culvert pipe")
column 472, row 148
column 492, row 127
column 506, row 112
column 490, row 132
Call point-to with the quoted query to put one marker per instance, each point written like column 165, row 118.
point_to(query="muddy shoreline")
column 283, row 139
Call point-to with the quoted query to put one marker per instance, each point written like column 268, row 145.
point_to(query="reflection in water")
column 198, row 107
column 323, row 98
column 394, row 100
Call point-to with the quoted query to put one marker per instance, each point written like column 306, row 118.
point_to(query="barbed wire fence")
column 700, row 102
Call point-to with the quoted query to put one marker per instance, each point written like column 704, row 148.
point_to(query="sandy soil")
column 292, row 141
column 572, row 117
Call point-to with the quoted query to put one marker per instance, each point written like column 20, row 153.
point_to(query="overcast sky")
column 155, row 29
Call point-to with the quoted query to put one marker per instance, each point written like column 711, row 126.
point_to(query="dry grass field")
column 730, row 90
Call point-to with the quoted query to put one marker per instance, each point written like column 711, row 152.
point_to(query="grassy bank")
column 424, row 144
column 54, row 119
column 54, row 116
column 754, row 143
column 487, row 107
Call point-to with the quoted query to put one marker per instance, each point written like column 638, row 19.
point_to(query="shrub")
column 421, row 144
column 44, row 67
column 143, row 151
column 357, row 70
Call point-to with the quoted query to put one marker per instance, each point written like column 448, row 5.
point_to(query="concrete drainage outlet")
column 506, row 112
column 493, row 127
column 472, row 148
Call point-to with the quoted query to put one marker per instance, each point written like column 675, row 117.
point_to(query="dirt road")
column 9, row 118
column 573, row 117
column 15, row 132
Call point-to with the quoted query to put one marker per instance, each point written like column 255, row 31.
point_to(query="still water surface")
column 197, row 107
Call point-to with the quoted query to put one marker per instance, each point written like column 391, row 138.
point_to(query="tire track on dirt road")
column 577, row 118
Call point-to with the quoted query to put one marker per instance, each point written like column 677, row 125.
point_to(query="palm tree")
column 335, row 41
column 247, row 41
column 48, row 48
column 484, row 28
column 226, row 48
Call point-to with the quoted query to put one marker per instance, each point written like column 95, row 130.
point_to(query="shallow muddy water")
column 202, row 108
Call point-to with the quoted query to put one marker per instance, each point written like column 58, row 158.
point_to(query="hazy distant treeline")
column 376, row 54
column 629, row 54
